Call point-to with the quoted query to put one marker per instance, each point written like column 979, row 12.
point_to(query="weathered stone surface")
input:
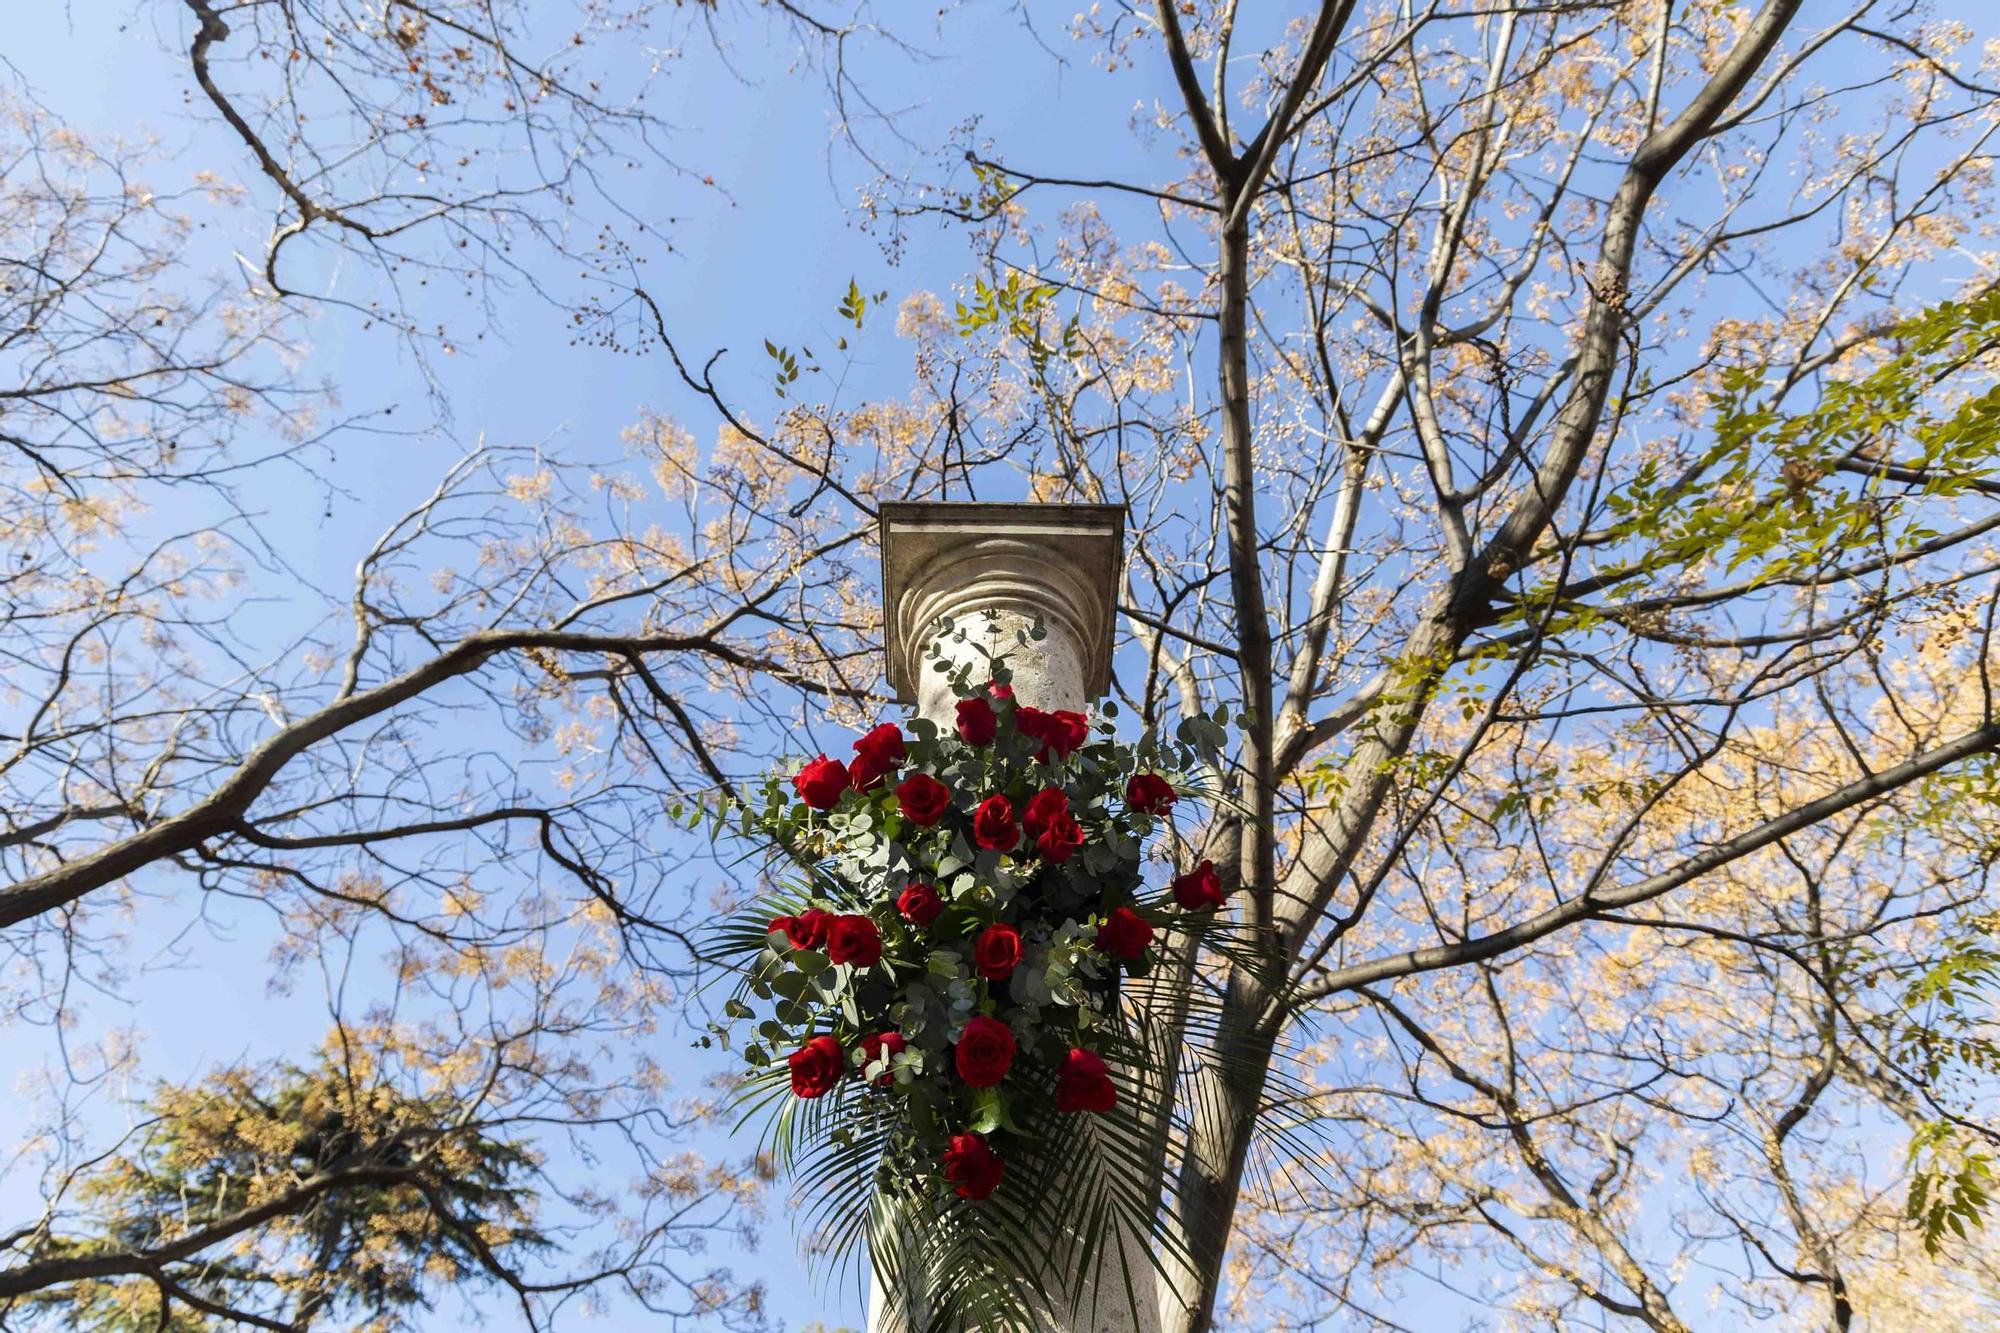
column 994, row 569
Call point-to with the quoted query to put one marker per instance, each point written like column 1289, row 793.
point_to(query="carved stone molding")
column 993, row 569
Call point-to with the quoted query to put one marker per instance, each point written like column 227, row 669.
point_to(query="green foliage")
column 993, row 192
column 999, row 1263
column 853, row 308
column 375, row 1198
column 854, row 304
column 1943, row 1037
column 787, row 366
column 1950, row 1185
column 1778, row 493
column 1018, row 307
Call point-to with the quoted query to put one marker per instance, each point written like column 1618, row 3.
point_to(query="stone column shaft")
column 996, row 570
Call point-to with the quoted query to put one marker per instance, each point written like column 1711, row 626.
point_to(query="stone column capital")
column 1056, row 562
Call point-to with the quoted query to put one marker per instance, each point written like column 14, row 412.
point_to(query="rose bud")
column 976, row 722
column 971, row 1168
column 854, row 939
column 920, row 905
column 1200, row 890
column 820, row 783
column 993, row 825
column 1083, row 1083
column 997, row 951
column 816, row 1067
column 1124, row 934
column 923, row 799
column 1149, row 794
column 883, row 1047
column 985, row 1050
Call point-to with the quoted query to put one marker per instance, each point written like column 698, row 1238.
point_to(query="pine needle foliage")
column 280, row 1197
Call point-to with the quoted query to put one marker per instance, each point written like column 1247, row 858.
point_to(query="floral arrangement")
column 936, row 995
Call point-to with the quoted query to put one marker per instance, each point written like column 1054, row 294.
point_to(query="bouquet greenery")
column 936, row 999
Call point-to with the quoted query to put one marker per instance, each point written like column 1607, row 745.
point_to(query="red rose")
column 883, row 747
column 808, row 929
column 923, row 798
column 1067, row 731
column 1083, row 1083
column 866, row 771
column 971, row 1168
column 883, row 1046
column 820, row 783
column 1060, row 839
column 920, row 905
column 1200, row 890
column 1149, row 793
column 816, row 1067
column 985, row 1050
column 999, row 691
column 976, row 722
column 877, row 755
column 997, row 951
column 1124, row 934
column 993, row 825
column 854, row 939
column 1043, row 806
column 1060, row 732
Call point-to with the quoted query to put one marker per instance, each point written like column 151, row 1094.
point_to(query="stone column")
column 994, row 570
